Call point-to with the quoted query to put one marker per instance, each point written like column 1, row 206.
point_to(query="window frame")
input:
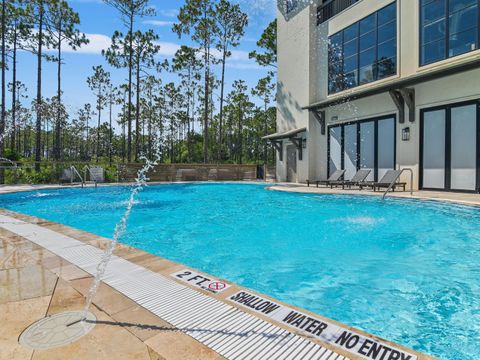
column 446, row 40
column 375, row 120
column 341, row 76
column 290, row 5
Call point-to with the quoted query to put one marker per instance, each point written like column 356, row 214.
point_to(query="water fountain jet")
column 67, row 327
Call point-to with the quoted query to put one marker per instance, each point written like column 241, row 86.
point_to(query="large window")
column 364, row 52
column 448, row 28
column 450, row 147
column 367, row 144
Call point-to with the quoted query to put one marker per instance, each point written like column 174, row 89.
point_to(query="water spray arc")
column 67, row 327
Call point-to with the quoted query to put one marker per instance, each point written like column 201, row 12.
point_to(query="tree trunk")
column 240, row 136
column 38, row 125
column 99, row 105
column 58, row 126
column 220, row 117
column 2, row 116
column 265, row 130
column 86, row 142
column 206, row 106
column 150, row 110
column 110, row 134
column 14, row 88
column 137, row 113
column 129, row 116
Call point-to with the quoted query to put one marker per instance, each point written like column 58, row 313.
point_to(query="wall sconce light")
column 406, row 134
column 304, row 143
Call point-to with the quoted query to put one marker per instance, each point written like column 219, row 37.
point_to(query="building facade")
column 379, row 84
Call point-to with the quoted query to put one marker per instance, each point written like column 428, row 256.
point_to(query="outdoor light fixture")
column 406, row 134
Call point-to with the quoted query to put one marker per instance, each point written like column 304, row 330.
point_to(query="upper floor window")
column 291, row 5
column 448, row 28
column 365, row 51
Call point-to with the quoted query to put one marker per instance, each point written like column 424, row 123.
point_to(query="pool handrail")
column 394, row 181
column 74, row 171
column 13, row 166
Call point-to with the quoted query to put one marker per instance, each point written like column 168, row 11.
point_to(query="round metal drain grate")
column 57, row 330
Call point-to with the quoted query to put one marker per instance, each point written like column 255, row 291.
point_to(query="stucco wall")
column 303, row 80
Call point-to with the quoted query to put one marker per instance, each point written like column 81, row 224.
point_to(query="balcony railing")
column 330, row 8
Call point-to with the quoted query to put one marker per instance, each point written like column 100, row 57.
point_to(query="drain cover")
column 53, row 331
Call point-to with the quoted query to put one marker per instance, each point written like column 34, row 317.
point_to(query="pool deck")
column 451, row 197
column 46, row 268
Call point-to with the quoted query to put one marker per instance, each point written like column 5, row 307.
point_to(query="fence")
column 190, row 172
column 51, row 172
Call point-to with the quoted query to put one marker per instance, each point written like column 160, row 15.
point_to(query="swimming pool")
column 404, row 270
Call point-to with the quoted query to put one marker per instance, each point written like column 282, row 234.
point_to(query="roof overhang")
column 284, row 135
column 397, row 84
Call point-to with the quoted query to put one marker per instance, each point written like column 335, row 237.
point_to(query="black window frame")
column 290, row 5
column 358, row 123
column 446, row 41
column 448, row 132
column 340, row 79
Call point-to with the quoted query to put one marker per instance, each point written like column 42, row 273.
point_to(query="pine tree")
column 130, row 10
column 99, row 83
column 198, row 18
column 231, row 22
column 63, row 24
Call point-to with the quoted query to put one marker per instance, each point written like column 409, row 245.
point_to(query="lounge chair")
column 389, row 179
column 356, row 180
column 336, row 176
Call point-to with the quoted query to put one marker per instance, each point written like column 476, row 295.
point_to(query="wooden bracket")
column 408, row 95
column 278, row 146
column 397, row 98
column 320, row 116
column 401, row 97
column 298, row 142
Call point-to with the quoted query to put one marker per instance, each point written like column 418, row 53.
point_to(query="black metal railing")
column 331, row 8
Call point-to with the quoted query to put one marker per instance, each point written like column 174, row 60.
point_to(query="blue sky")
column 99, row 21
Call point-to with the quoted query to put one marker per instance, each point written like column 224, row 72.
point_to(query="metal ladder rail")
column 393, row 182
column 13, row 166
column 86, row 169
column 75, row 171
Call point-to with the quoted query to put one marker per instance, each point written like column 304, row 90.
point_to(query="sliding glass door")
column 434, row 149
column 335, row 149
column 367, row 148
column 367, row 144
column 386, row 146
column 463, row 148
column 450, row 147
column 350, row 150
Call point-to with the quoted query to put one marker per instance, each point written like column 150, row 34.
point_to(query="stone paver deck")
column 453, row 197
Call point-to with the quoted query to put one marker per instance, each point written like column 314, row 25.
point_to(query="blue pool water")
column 404, row 270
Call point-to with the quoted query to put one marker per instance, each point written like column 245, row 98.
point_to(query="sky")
column 99, row 21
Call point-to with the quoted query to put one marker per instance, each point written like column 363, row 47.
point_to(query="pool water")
column 404, row 270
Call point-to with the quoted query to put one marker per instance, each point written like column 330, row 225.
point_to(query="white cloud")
column 244, row 66
column 168, row 12
column 158, row 22
column 168, row 49
column 98, row 42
